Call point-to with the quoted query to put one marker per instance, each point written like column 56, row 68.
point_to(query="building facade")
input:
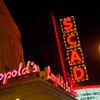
column 17, row 81
column 11, row 52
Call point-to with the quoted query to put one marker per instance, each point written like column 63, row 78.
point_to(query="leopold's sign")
column 30, row 68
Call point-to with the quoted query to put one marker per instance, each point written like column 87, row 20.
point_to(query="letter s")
column 67, row 23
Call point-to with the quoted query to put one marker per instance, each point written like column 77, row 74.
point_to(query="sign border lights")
column 73, row 49
column 75, row 57
column 67, row 42
column 75, row 70
column 68, row 24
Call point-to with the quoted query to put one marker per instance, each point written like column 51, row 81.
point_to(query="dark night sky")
column 38, row 37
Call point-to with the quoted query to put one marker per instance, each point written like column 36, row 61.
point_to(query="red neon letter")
column 34, row 68
column 69, row 39
column 1, row 77
column 26, row 69
column 19, row 70
column 48, row 75
column 67, row 23
column 5, row 78
column 8, row 75
column 14, row 73
column 75, row 72
column 75, row 56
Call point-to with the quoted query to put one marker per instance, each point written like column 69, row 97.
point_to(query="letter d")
column 78, row 73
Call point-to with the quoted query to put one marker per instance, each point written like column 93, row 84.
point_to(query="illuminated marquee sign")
column 91, row 92
column 73, row 49
column 58, row 81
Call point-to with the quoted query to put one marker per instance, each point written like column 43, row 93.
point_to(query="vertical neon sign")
column 73, row 49
column 59, row 48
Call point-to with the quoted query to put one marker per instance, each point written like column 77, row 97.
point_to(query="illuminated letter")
column 1, row 77
column 69, row 39
column 75, row 56
column 26, row 69
column 19, row 70
column 34, row 68
column 75, row 72
column 8, row 75
column 47, row 72
column 67, row 87
column 14, row 73
column 67, row 24
column 5, row 78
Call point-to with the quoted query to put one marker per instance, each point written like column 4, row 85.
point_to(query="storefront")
column 25, row 82
column 36, row 85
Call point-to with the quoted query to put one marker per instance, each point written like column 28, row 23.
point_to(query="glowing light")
column 73, row 48
column 75, row 56
column 67, row 23
column 59, row 81
column 99, row 47
column 1, row 77
column 69, row 39
column 20, row 67
column 15, row 73
column 59, row 47
column 17, row 99
column 75, row 72
column 79, row 73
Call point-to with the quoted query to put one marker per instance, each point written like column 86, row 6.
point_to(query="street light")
column 99, row 47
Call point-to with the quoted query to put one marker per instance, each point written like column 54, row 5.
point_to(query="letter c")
column 69, row 39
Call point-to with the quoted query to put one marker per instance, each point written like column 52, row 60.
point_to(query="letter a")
column 75, row 56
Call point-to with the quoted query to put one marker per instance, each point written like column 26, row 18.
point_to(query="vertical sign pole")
column 59, row 48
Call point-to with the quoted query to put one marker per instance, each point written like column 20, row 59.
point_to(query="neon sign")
column 73, row 49
column 30, row 68
column 91, row 92
column 58, row 80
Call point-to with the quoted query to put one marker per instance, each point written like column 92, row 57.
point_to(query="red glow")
column 8, row 75
column 59, row 81
column 59, row 48
column 69, row 39
column 35, row 68
column 1, row 77
column 75, row 56
column 86, row 87
column 75, row 70
column 67, row 23
column 70, row 81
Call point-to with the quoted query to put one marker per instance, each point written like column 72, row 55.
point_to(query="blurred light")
column 17, row 99
column 99, row 47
